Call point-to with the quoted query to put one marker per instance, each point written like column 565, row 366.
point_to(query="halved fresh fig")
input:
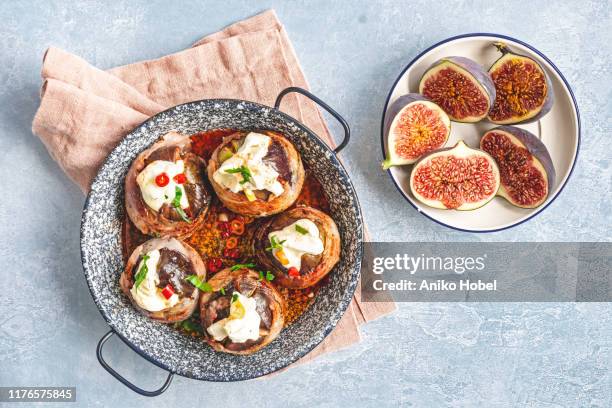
column 461, row 87
column 414, row 126
column 459, row 178
column 523, row 89
column 526, row 169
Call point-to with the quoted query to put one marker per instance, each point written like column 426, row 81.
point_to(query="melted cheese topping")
column 297, row 243
column 250, row 155
column 242, row 323
column 148, row 296
column 152, row 194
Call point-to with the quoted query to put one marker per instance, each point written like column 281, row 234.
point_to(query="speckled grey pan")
column 165, row 346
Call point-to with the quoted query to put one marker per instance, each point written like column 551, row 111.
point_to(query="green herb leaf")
column 178, row 194
column 191, row 326
column 184, row 216
column 244, row 172
column 269, row 276
column 142, row 272
column 274, row 244
column 242, row 266
column 198, row 283
column 234, row 297
column 300, row 229
column 176, row 203
column 222, row 291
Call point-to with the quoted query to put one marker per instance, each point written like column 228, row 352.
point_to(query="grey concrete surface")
column 425, row 355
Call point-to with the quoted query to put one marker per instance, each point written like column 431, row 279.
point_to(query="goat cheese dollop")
column 147, row 295
column 155, row 196
column 295, row 240
column 249, row 158
column 242, row 323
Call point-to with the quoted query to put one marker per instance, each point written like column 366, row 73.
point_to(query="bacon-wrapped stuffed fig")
column 256, row 174
column 157, row 279
column 166, row 191
column 243, row 313
column 299, row 246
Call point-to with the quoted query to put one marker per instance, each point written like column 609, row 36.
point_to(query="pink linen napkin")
column 84, row 111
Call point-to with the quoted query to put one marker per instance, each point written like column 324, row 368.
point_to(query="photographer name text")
column 439, row 285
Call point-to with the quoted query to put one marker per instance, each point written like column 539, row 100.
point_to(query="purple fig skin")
column 533, row 146
column 550, row 95
column 478, row 72
column 398, row 105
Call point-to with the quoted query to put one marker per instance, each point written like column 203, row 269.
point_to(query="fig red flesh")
column 457, row 178
column 461, row 87
column 414, row 126
column 523, row 89
column 526, row 169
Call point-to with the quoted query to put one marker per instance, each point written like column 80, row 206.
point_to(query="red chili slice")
column 168, row 291
column 237, row 227
column 162, row 180
column 231, row 243
column 293, row 272
column 180, row 178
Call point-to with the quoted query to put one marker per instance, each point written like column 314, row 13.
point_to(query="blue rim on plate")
column 505, row 37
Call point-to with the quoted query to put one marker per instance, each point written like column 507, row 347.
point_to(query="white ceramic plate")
column 559, row 130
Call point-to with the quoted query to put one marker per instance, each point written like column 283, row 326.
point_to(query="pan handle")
column 118, row 376
column 336, row 115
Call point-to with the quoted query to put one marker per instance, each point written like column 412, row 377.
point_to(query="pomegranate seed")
column 213, row 265
column 232, row 253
